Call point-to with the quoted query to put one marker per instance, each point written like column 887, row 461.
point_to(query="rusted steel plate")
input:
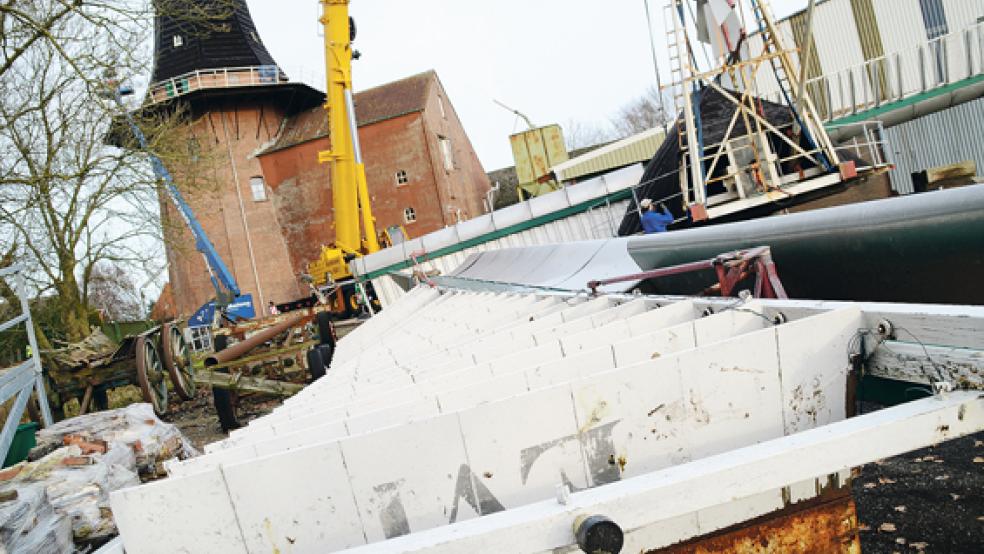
column 828, row 526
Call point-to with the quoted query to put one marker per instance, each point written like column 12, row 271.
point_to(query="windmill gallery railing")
column 226, row 77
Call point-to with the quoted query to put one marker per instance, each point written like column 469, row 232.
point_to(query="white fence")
column 20, row 380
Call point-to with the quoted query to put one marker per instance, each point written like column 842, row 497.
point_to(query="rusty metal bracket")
column 731, row 268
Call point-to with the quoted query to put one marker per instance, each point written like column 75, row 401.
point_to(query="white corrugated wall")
column 942, row 138
column 902, row 32
column 961, row 13
column 836, row 36
column 901, row 27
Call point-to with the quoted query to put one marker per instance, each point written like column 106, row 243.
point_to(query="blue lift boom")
column 226, row 288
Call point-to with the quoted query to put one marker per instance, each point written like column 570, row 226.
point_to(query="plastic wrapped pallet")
column 59, row 501
column 151, row 440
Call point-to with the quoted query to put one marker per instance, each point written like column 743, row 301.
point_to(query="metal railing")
column 866, row 140
column 21, row 380
column 226, row 77
column 929, row 65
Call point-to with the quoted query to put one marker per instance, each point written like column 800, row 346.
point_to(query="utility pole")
column 652, row 48
column 652, row 45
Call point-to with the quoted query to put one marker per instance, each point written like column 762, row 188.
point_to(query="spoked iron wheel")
column 177, row 361
column 150, row 374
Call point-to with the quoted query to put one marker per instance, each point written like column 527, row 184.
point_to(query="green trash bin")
column 22, row 444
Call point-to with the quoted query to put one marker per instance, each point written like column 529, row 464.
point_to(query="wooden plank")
column 915, row 363
column 247, row 383
column 931, row 324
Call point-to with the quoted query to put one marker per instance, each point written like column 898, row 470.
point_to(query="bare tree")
column 122, row 24
column 70, row 203
column 579, row 134
column 113, row 293
column 649, row 111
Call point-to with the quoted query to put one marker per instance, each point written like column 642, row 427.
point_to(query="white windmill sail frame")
column 430, row 415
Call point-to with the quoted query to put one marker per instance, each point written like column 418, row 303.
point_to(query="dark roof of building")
column 204, row 43
column 373, row 105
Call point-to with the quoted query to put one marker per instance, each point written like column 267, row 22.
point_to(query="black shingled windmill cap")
column 185, row 44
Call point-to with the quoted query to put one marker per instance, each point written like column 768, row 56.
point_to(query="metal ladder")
column 680, row 72
column 771, row 42
column 675, row 39
column 781, row 65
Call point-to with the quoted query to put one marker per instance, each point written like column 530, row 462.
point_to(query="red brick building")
column 421, row 170
column 267, row 207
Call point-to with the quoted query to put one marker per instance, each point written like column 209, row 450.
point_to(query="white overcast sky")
column 554, row 60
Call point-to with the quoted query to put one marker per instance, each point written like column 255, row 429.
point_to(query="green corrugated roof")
column 630, row 150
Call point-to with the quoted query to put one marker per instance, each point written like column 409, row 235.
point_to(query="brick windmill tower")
column 235, row 98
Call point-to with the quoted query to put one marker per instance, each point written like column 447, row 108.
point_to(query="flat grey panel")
column 567, row 266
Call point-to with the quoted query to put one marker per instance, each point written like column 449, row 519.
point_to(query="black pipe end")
column 597, row 534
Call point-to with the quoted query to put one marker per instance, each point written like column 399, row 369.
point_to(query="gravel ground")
column 197, row 420
column 930, row 500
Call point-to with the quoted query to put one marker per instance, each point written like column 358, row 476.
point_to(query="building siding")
column 409, row 143
column 942, row 138
column 462, row 189
column 837, row 36
column 303, row 186
column 399, row 144
column 889, row 33
column 962, row 13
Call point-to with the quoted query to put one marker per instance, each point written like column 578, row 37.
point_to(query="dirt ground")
column 197, row 420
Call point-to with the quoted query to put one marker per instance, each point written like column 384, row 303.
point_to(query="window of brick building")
column 440, row 105
column 401, row 178
column 409, row 215
column 447, row 152
column 259, row 188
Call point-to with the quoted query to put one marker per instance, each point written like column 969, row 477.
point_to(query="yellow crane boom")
column 350, row 195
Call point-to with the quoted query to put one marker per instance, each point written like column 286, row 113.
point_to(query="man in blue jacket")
column 653, row 221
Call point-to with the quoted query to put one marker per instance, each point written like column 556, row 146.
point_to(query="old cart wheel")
column 150, row 374
column 177, row 361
